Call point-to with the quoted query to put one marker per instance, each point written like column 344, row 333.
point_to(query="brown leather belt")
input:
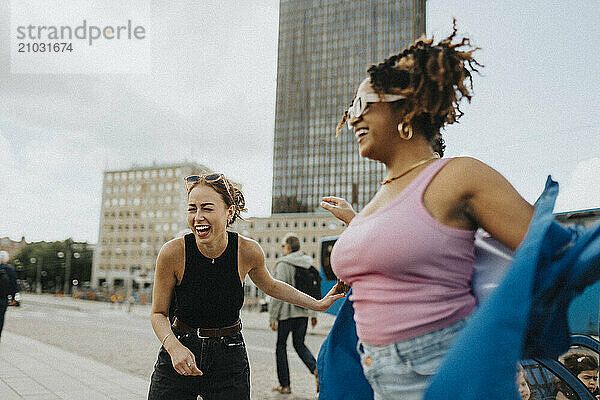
column 208, row 332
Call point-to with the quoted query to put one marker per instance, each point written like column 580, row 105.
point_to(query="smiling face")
column 589, row 379
column 376, row 129
column 207, row 213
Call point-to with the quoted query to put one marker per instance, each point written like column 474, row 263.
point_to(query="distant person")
column 523, row 385
column 203, row 351
column 8, row 285
column 585, row 368
column 409, row 253
column 286, row 318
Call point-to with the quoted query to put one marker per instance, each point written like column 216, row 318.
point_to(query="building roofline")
column 584, row 212
column 293, row 215
column 136, row 167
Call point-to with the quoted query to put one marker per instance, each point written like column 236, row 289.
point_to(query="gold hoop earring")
column 401, row 131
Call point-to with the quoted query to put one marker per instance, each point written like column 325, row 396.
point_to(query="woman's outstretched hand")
column 337, row 292
column 339, row 207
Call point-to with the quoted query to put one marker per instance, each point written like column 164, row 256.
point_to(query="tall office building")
column 325, row 48
column 142, row 208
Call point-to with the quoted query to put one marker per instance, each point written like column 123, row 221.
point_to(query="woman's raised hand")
column 339, row 207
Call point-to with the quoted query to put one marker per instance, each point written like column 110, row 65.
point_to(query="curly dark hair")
column 576, row 363
column 432, row 77
column 232, row 197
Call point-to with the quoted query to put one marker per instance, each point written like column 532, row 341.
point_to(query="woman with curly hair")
column 203, row 351
column 408, row 254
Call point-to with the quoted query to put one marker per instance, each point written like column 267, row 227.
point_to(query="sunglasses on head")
column 361, row 102
column 208, row 178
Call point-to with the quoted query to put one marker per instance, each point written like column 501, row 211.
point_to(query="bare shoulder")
column 469, row 174
column 173, row 250
column 250, row 253
column 466, row 165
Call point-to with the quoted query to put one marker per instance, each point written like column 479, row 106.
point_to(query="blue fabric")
column 527, row 314
column 340, row 373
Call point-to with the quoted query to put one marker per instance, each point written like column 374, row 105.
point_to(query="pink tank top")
column 410, row 274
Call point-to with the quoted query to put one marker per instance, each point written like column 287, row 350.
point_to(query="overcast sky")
column 211, row 98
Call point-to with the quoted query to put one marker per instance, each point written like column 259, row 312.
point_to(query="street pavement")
column 52, row 368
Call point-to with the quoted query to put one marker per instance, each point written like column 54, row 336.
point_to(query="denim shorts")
column 402, row 370
column 223, row 361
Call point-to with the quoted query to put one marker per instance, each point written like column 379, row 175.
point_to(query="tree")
column 52, row 268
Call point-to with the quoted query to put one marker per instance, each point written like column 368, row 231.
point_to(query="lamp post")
column 38, row 273
column 67, row 257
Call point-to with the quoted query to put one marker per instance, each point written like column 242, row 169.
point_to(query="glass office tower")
column 325, row 48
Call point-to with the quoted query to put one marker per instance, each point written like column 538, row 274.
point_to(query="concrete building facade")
column 325, row 48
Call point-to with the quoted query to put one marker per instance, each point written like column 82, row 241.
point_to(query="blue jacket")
column 525, row 316
column 338, row 363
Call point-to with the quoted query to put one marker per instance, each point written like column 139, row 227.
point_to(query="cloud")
column 582, row 190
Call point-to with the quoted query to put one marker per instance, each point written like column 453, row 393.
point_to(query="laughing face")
column 377, row 127
column 207, row 213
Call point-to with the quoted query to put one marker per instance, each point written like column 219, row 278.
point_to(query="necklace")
column 212, row 260
column 415, row 165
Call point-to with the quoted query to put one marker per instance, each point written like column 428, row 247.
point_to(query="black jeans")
column 298, row 328
column 223, row 361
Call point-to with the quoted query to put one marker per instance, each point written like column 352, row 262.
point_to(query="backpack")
column 308, row 280
column 5, row 284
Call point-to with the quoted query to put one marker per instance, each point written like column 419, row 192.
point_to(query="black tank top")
column 210, row 295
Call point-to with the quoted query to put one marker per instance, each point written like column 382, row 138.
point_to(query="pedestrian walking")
column 285, row 318
column 203, row 351
column 409, row 253
column 8, row 286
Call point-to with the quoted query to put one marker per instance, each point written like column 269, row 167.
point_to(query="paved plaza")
column 60, row 366
column 30, row 369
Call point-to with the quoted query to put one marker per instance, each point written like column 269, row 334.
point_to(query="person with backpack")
column 8, row 285
column 294, row 268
